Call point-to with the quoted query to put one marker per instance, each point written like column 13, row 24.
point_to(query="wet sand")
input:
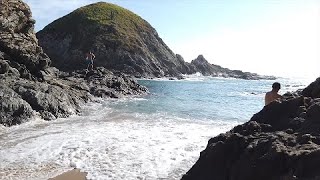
column 74, row 174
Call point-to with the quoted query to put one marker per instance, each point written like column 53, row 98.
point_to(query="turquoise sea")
column 157, row 136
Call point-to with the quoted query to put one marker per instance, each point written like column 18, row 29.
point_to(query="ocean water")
column 157, row 136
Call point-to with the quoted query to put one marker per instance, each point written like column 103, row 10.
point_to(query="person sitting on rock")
column 89, row 59
column 273, row 94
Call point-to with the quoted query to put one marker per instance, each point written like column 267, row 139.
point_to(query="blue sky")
column 273, row 37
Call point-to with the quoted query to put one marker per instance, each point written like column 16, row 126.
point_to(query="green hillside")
column 119, row 26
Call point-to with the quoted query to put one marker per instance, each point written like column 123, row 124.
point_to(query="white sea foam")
column 199, row 77
column 189, row 77
column 107, row 144
column 133, row 138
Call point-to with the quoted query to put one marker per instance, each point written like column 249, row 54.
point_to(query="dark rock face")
column 13, row 109
column 282, row 141
column 313, row 90
column 18, row 43
column 29, row 87
column 60, row 96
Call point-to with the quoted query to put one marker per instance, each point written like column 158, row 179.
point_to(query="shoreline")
column 74, row 174
column 67, row 170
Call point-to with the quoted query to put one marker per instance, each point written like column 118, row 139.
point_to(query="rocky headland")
column 201, row 65
column 281, row 142
column 30, row 87
column 122, row 41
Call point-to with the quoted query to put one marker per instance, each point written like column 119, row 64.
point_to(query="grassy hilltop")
column 121, row 40
column 122, row 25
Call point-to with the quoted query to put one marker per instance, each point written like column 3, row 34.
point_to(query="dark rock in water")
column 60, row 97
column 104, row 83
column 204, row 67
column 29, row 87
column 185, row 68
column 200, row 64
column 282, row 141
column 313, row 90
column 13, row 109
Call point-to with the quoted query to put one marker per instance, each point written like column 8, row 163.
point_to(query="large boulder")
column 281, row 142
column 13, row 109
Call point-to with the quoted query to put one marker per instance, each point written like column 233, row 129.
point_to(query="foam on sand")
column 107, row 144
column 74, row 174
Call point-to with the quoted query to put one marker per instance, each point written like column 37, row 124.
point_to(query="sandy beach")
column 74, row 174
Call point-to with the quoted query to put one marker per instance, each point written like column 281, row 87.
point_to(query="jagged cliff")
column 30, row 87
column 19, row 47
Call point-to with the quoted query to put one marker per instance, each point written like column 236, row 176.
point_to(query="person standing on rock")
column 89, row 59
column 273, row 94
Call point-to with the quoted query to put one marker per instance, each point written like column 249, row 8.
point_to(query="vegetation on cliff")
column 121, row 24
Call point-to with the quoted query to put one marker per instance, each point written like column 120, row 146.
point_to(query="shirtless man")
column 273, row 94
column 89, row 58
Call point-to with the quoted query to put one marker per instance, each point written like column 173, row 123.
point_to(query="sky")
column 269, row 37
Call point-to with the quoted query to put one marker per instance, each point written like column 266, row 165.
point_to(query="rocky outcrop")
column 122, row 41
column 30, row 87
column 200, row 64
column 313, row 90
column 282, row 141
column 60, row 94
column 19, row 47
